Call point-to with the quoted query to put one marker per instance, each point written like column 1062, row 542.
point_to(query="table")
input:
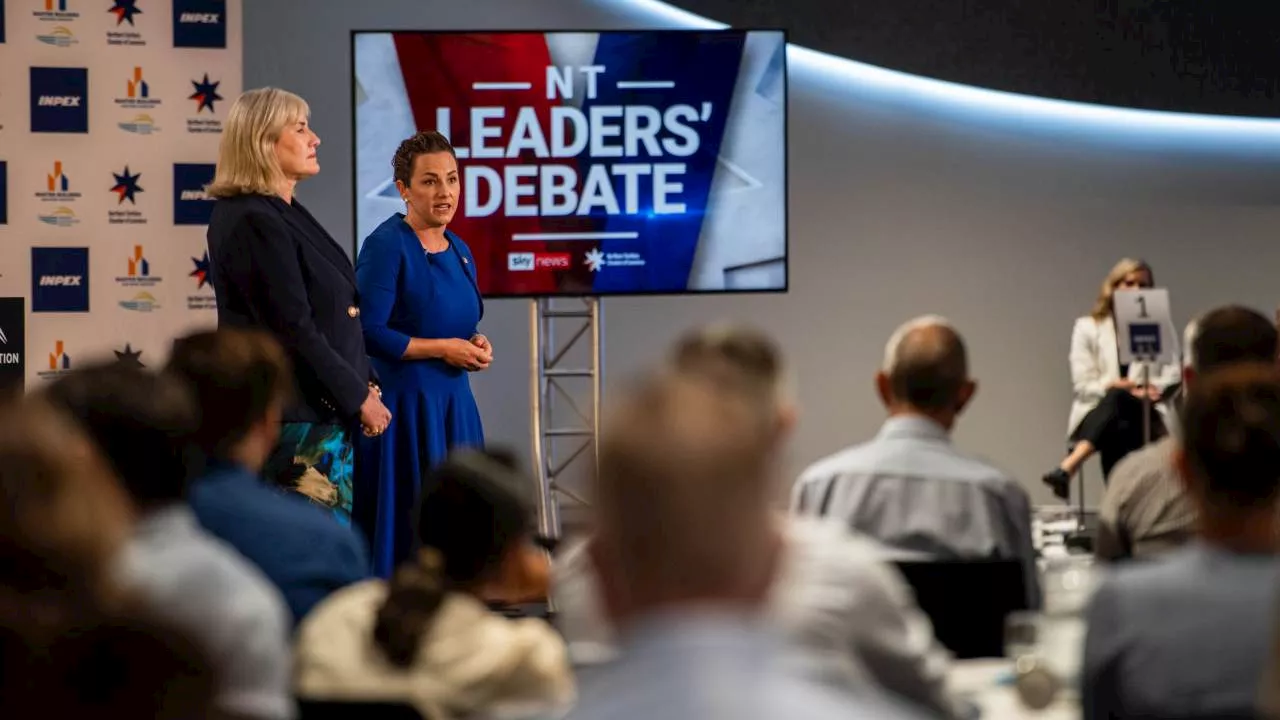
column 980, row 683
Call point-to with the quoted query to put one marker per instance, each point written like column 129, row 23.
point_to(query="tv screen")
column 590, row 163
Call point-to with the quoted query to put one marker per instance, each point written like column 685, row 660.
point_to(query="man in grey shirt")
column 1188, row 635
column 1146, row 511
column 686, row 552
column 202, row 587
column 910, row 488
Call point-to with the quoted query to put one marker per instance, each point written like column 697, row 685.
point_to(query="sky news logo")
column 59, row 100
column 199, row 23
column 59, row 279
column 190, row 204
column 525, row 261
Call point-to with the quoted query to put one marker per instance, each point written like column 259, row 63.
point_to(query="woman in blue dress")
column 420, row 308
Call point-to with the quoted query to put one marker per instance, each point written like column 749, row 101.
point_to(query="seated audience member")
column 142, row 423
column 679, row 453
column 72, row 645
column 910, row 488
column 1145, row 510
column 240, row 379
column 426, row 638
column 875, row 633
column 1188, row 635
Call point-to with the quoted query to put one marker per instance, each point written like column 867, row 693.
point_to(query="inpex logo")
column 59, row 279
column 518, row 262
column 191, row 206
column 59, row 100
column 200, row 23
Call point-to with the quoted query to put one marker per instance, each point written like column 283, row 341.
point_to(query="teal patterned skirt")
column 316, row 460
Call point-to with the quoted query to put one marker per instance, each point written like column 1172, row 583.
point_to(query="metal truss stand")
column 566, row 353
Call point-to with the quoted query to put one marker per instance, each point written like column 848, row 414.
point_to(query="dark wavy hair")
column 423, row 143
column 475, row 509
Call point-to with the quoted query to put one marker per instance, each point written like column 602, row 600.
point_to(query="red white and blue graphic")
column 205, row 95
column 59, row 100
column 125, row 11
column 126, row 186
column 199, row 23
column 592, row 163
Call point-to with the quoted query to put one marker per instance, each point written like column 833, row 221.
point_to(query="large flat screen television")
column 591, row 163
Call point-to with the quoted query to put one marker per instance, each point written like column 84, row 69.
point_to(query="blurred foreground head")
column 71, row 642
column 686, row 472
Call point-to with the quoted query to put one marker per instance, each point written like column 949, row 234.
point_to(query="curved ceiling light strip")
column 1028, row 112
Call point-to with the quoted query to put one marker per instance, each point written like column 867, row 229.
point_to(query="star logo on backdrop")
column 206, row 93
column 201, row 273
column 129, row 357
column 126, row 186
column 594, row 259
column 125, row 10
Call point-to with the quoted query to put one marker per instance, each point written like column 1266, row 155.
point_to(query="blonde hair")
column 247, row 161
column 1105, row 303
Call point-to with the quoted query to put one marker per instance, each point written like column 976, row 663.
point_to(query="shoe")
column 1060, row 481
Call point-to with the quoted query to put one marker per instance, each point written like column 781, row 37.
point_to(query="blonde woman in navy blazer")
column 421, row 315
column 274, row 268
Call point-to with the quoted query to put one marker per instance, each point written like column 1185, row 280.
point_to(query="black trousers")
column 1114, row 427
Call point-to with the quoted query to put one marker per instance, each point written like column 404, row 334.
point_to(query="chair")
column 967, row 601
column 356, row 710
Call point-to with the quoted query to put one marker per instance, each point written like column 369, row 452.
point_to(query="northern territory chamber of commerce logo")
column 59, row 100
column 138, row 271
column 205, row 98
column 191, row 206
column 54, row 11
column 59, row 279
column 59, row 362
column 126, row 187
column 199, row 23
column 129, row 357
column 595, row 259
column 137, row 93
column 125, row 32
column 200, row 275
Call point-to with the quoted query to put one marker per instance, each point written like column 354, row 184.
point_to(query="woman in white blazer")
column 1106, row 411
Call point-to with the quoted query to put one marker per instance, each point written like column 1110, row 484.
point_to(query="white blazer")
column 1095, row 364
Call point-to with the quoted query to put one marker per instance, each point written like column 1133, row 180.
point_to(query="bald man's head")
column 926, row 368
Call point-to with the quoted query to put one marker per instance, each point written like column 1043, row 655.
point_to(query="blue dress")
column 407, row 293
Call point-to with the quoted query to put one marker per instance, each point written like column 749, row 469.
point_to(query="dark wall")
column 1212, row 56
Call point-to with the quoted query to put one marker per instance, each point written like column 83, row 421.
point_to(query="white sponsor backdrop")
column 118, row 171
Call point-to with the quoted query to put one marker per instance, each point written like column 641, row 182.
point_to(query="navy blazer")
column 273, row 267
